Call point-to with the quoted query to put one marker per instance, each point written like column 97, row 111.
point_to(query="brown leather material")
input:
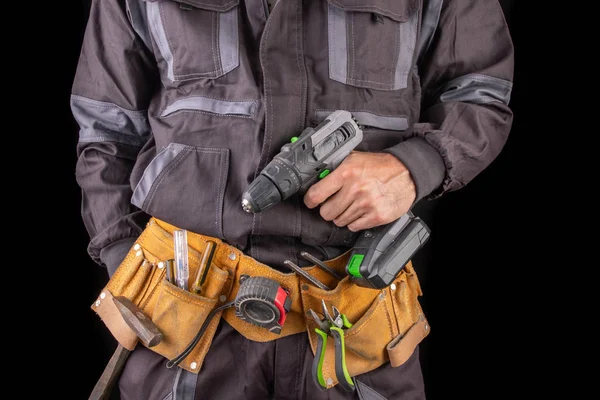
column 378, row 316
column 237, row 264
column 109, row 313
column 403, row 346
column 295, row 320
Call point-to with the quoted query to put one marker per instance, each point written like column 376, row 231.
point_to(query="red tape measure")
column 261, row 301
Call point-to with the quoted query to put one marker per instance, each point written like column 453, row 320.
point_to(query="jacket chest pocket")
column 195, row 38
column 372, row 43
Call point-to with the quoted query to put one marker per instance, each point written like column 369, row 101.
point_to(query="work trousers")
column 237, row 368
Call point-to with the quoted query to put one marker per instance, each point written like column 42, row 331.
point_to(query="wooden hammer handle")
column 111, row 374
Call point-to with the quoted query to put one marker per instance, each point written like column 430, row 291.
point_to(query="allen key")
column 321, row 264
column 306, row 275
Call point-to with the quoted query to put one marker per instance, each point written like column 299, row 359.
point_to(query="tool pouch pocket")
column 177, row 313
column 380, row 318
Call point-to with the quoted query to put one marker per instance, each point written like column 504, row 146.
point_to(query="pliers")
column 333, row 325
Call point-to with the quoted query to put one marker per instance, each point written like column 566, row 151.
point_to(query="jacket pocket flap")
column 398, row 10
column 212, row 5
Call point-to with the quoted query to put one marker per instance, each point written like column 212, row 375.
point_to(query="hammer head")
column 145, row 329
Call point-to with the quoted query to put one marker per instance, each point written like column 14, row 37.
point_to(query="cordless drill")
column 300, row 163
column 380, row 253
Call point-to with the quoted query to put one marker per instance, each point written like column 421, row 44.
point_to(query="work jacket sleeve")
column 465, row 65
column 114, row 80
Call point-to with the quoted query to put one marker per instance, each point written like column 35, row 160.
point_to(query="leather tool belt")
column 387, row 324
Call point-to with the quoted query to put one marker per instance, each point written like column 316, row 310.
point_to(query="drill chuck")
column 309, row 157
column 263, row 192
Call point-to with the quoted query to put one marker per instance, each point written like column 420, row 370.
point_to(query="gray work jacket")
column 181, row 103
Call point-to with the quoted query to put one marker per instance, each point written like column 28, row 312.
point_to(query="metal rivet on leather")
column 161, row 265
column 136, row 247
column 232, row 256
column 139, row 253
column 222, row 297
column 102, row 295
column 304, row 287
column 97, row 303
column 393, row 286
column 193, row 365
column 329, row 381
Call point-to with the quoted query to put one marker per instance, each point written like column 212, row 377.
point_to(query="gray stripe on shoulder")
column 100, row 121
column 476, row 88
column 429, row 24
column 338, row 44
column 408, row 38
column 138, row 16
column 160, row 36
column 229, row 40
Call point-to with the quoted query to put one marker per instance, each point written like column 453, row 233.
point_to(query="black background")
column 469, row 270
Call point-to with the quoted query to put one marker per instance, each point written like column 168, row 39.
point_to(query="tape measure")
column 261, row 301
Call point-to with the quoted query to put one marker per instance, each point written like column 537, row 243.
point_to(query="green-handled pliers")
column 333, row 325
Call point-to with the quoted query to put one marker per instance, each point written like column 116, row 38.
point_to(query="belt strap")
column 236, row 263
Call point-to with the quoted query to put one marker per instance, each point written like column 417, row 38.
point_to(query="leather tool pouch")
column 387, row 324
column 177, row 313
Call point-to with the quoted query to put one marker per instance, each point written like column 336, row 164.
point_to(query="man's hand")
column 364, row 191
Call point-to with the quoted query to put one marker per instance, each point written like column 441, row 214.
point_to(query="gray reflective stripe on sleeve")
column 408, row 40
column 184, row 387
column 215, row 106
column 369, row 119
column 160, row 37
column 429, row 24
column 228, row 39
column 162, row 159
column 100, row 121
column 338, row 45
column 476, row 88
column 136, row 9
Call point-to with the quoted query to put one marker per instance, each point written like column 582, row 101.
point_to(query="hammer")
column 146, row 331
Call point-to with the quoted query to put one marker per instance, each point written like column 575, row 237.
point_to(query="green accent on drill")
column 293, row 139
column 354, row 266
column 324, row 173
